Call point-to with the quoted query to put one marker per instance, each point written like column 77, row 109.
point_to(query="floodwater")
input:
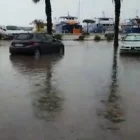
column 60, row 97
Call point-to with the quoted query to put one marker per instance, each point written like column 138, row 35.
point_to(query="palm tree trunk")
column 48, row 11
column 117, row 20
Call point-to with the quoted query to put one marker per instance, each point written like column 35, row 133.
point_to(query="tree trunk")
column 48, row 11
column 117, row 20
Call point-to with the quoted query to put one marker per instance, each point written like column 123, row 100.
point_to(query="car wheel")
column 37, row 53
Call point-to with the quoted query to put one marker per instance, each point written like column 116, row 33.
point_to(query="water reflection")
column 48, row 104
column 126, row 59
column 4, row 43
column 29, row 65
column 114, row 111
column 46, row 98
column 114, row 85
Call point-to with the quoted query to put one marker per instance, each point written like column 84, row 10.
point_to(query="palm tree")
column 117, row 20
column 48, row 11
column 39, row 24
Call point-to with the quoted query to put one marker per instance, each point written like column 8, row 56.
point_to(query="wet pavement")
column 62, row 97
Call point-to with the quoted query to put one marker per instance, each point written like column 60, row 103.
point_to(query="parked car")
column 130, row 44
column 3, row 32
column 35, row 44
column 12, row 31
column 109, row 31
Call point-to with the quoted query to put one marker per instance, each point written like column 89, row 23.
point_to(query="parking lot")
column 60, row 97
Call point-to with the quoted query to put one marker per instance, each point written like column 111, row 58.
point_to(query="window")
column 110, row 29
column 104, row 19
column 24, row 37
column 41, row 36
column 49, row 37
column 132, row 38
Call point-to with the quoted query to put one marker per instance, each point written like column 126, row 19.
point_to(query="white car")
column 14, row 30
column 3, row 32
column 130, row 44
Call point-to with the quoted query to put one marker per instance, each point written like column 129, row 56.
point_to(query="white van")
column 12, row 30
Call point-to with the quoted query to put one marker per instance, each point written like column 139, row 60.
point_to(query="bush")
column 97, row 38
column 58, row 36
column 81, row 38
column 109, row 37
column 86, row 34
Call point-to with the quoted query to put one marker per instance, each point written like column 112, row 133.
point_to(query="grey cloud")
column 22, row 12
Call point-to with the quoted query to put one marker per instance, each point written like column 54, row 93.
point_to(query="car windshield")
column 12, row 28
column 132, row 38
column 24, row 37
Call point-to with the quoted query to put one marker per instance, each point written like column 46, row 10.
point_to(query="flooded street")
column 61, row 97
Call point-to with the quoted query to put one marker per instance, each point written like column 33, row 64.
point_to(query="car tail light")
column 32, row 43
column 24, row 44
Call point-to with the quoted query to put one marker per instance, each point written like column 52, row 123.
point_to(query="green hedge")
column 97, row 38
column 81, row 38
column 58, row 36
column 109, row 37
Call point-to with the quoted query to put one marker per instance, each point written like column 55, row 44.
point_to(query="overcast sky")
column 22, row 12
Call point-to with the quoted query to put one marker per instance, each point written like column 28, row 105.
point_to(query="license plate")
column 19, row 45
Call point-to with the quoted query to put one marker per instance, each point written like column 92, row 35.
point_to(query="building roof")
column 68, row 17
column 104, row 18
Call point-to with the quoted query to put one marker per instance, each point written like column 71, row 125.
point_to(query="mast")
column 103, row 14
column 79, row 7
column 137, row 13
column 68, row 14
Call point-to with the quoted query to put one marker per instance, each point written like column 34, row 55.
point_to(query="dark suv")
column 35, row 44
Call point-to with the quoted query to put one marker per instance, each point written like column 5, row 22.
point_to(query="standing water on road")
column 59, row 97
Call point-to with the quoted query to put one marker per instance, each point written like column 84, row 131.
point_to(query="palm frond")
column 35, row 1
column 116, row 0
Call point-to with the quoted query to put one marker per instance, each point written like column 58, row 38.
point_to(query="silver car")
column 130, row 44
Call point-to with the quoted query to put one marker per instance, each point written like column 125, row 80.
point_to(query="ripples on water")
column 46, row 99
column 57, row 97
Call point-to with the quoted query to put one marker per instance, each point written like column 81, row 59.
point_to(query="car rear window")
column 24, row 37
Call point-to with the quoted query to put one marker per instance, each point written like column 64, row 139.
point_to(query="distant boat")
column 68, row 24
column 100, row 25
column 131, row 25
